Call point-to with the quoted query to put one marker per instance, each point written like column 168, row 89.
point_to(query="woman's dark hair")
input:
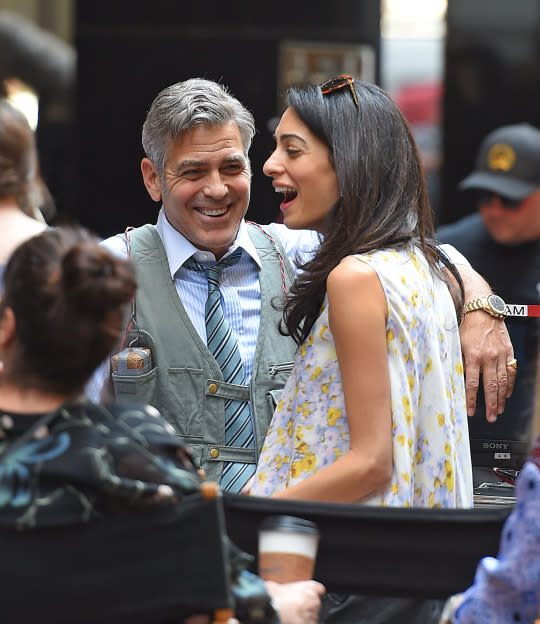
column 69, row 296
column 383, row 197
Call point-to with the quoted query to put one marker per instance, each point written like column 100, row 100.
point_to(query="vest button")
column 212, row 388
column 214, row 453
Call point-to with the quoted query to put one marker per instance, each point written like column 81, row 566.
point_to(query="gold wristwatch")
column 492, row 304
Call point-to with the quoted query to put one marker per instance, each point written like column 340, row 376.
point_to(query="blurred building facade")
column 457, row 69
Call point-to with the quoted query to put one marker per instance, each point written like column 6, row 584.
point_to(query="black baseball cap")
column 508, row 162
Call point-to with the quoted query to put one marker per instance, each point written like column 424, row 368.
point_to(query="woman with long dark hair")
column 375, row 409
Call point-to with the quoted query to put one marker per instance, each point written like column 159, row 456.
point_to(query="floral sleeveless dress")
column 431, row 455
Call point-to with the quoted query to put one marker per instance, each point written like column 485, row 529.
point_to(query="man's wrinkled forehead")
column 229, row 128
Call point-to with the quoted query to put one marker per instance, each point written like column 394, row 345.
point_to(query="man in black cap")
column 502, row 241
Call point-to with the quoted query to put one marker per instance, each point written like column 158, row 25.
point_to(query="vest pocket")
column 183, row 403
column 280, row 368
column 135, row 388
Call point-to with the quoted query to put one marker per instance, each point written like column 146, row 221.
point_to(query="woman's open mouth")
column 289, row 195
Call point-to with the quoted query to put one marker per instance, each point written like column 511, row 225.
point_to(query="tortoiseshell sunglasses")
column 338, row 83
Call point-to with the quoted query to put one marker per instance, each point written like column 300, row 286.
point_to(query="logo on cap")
column 501, row 157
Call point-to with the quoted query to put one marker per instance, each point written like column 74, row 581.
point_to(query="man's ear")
column 151, row 179
column 7, row 327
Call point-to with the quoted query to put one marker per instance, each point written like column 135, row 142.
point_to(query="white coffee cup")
column 287, row 549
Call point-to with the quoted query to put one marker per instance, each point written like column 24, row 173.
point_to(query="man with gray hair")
column 204, row 331
column 196, row 137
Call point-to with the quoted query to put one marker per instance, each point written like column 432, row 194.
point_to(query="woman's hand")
column 247, row 488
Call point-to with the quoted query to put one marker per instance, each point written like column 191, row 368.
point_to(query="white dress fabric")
column 431, row 455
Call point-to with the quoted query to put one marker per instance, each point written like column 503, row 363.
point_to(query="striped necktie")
column 222, row 343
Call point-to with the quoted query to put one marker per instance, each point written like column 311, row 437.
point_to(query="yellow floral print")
column 310, row 429
column 334, row 414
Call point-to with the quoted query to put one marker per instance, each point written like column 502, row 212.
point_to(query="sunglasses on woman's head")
column 338, row 83
column 484, row 197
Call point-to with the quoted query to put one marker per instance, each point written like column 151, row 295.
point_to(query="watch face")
column 497, row 304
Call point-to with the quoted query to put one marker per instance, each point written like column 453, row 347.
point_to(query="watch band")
column 483, row 303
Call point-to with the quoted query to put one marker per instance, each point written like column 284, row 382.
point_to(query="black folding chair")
column 149, row 566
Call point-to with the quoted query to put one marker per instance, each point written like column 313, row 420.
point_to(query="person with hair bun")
column 62, row 310
column 66, row 461
column 22, row 190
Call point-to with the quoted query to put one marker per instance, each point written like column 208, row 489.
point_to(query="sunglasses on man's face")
column 339, row 82
column 485, row 197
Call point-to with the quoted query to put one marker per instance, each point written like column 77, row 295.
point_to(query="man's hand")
column 486, row 350
column 296, row 603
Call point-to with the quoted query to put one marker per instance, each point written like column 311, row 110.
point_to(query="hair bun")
column 80, row 294
column 94, row 280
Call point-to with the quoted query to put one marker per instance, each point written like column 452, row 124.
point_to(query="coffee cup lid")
column 289, row 523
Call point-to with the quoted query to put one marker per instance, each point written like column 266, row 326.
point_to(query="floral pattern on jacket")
column 86, row 461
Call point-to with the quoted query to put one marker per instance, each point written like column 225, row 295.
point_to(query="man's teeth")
column 214, row 212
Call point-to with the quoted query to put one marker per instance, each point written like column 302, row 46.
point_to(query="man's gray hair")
column 187, row 104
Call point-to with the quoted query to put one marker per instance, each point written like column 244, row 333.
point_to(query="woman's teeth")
column 288, row 193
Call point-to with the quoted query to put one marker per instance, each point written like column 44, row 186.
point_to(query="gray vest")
column 185, row 382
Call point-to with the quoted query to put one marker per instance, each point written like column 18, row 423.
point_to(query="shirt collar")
column 179, row 249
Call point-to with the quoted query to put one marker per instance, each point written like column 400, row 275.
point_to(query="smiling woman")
column 309, row 185
column 376, row 265
column 374, row 409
